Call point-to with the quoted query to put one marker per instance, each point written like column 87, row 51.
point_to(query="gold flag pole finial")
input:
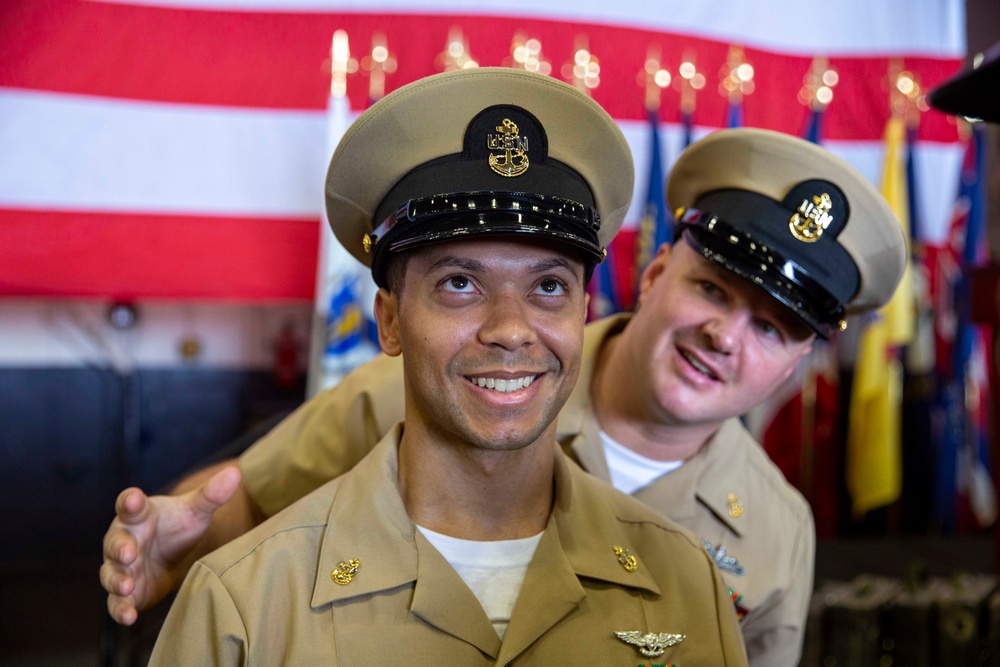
column 689, row 82
column 736, row 76
column 456, row 53
column 817, row 85
column 653, row 78
column 341, row 64
column 906, row 97
column 584, row 71
column 379, row 63
column 526, row 54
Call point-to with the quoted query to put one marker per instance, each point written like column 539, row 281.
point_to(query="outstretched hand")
column 154, row 539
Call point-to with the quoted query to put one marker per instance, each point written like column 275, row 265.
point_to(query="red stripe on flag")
column 276, row 60
column 134, row 256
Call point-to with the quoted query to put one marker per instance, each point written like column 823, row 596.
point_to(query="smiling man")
column 777, row 240
column 482, row 200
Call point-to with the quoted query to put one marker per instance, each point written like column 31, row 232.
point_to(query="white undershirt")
column 630, row 471
column 493, row 570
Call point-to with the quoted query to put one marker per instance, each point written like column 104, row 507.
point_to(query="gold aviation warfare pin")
column 650, row 644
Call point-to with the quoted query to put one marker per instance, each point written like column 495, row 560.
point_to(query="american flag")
column 177, row 148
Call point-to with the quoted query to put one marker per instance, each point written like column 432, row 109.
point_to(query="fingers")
column 120, row 546
column 121, row 551
column 119, row 584
column 131, row 510
column 116, row 580
column 151, row 535
column 122, row 610
column 217, row 491
column 132, row 507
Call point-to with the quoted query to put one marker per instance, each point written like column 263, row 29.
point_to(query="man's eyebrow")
column 541, row 266
column 550, row 263
column 458, row 262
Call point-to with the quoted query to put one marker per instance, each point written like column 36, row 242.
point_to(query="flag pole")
column 816, row 94
column 690, row 82
column 655, row 227
column 736, row 82
column 338, row 342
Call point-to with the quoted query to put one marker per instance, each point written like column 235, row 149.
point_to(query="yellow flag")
column 900, row 311
column 874, row 457
column 874, row 450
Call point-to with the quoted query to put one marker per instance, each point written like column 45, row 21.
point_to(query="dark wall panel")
column 71, row 439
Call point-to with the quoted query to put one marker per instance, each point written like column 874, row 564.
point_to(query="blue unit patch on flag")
column 345, row 324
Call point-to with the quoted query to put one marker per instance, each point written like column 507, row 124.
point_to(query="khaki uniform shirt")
column 767, row 526
column 269, row 598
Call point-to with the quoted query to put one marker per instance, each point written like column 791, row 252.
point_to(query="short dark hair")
column 395, row 272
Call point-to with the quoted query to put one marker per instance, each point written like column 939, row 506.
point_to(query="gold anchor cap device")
column 487, row 151
column 793, row 219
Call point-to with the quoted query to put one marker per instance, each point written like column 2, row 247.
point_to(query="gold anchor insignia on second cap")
column 626, row 558
column 344, row 572
column 812, row 218
column 735, row 506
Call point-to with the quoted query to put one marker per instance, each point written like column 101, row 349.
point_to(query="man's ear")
column 806, row 349
column 653, row 271
column 387, row 319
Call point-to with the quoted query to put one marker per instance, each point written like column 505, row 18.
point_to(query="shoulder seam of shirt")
column 234, row 562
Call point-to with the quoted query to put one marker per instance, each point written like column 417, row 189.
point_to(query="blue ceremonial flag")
column 924, row 403
column 951, row 365
column 972, row 190
column 974, row 483
column 911, row 179
column 963, row 468
column 735, row 116
column 656, row 226
column 814, row 126
column 687, row 125
column 603, row 290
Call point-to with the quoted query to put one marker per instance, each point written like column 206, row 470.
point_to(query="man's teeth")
column 504, row 386
column 698, row 365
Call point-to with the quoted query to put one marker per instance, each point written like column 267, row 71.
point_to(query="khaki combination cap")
column 488, row 151
column 791, row 217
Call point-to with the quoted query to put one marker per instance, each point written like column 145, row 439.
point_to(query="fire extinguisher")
column 286, row 358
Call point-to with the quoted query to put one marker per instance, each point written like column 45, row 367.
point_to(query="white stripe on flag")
column 90, row 154
column 87, row 153
column 860, row 27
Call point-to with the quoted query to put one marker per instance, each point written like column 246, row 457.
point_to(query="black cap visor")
column 973, row 93
column 747, row 257
column 456, row 216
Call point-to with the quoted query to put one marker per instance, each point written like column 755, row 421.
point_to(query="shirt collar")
column 368, row 522
column 578, row 408
column 714, row 477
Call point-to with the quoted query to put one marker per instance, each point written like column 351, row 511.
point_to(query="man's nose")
column 507, row 323
column 727, row 329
